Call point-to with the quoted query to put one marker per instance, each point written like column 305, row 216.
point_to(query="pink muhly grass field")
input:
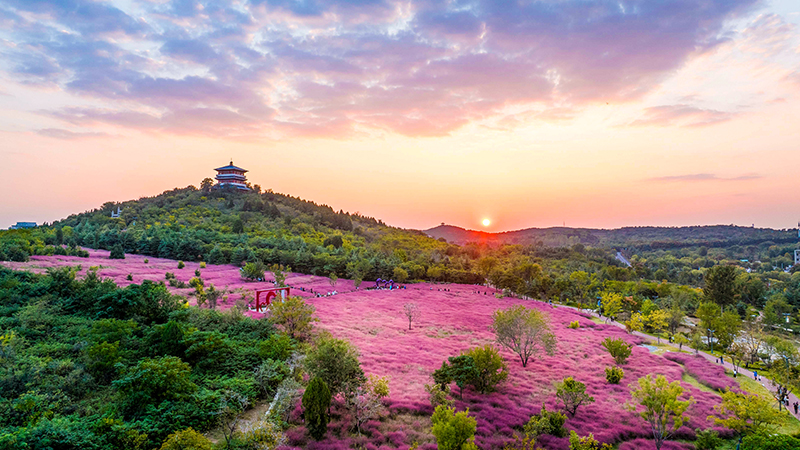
column 711, row 375
column 451, row 321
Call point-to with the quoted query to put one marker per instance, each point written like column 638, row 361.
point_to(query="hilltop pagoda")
column 231, row 176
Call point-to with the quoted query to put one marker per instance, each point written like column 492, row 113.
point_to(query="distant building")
column 231, row 176
column 22, row 225
column 797, row 257
column 115, row 214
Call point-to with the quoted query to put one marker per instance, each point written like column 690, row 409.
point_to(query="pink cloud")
column 681, row 115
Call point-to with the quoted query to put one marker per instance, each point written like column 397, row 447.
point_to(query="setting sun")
column 486, row 222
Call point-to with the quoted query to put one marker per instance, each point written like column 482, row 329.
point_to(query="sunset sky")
column 528, row 113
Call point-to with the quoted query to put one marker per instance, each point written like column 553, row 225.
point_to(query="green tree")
column 775, row 309
column 491, row 368
column 293, row 315
column 335, row 361
column 720, row 285
column 675, row 316
column 681, row 340
column 279, row 273
column 238, row 225
column 785, row 373
column 656, row 321
column 727, row 327
column 612, row 305
column 463, row 371
column 103, row 358
column 546, row 422
column 618, row 349
column 153, row 381
column 708, row 313
column 572, row 394
column 117, row 252
column 316, row 401
column 332, row 279
column 399, row 274
column 524, row 331
column 453, row 430
column 635, row 323
column 697, row 341
column 206, row 185
column 661, row 408
column 187, row 439
column 253, row 271
column 747, row 414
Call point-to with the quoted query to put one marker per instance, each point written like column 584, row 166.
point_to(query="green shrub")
column 453, row 430
column 707, row 439
column 573, row 394
column 169, row 276
column 181, row 265
column 253, row 271
column 186, row 439
column 614, row 374
column 117, row 252
column 586, row 443
column 491, row 368
column 772, row 442
column 618, row 349
column 146, row 261
column 546, row 422
column 197, row 273
column 575, row 324
column 129, row 277
column 202, row 264
column 439, row 395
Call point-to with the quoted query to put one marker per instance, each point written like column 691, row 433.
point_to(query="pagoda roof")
column 231, row 167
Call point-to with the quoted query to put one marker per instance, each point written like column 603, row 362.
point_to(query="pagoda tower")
column 231, row 176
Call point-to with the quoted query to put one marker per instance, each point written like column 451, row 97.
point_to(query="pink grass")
column 451, row 321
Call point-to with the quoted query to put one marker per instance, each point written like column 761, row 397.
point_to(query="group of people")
column 385, row 284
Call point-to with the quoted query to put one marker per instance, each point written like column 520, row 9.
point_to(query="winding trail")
column 766, row 382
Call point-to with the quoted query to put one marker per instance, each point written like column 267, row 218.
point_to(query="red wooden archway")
column 269, row 294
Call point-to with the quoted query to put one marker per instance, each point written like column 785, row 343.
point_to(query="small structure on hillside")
column 797, row 257
column 22, row 225
column 269, row 294
column 231, row 176
column 117, row 213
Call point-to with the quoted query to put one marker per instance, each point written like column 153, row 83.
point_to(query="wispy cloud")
column 334, row 67
column 57, row 133
column 681, row 115
column 698, row 177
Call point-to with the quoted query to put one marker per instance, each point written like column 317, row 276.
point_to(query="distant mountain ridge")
column 648, row 236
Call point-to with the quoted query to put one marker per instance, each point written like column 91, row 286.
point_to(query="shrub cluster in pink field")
column 453, row 318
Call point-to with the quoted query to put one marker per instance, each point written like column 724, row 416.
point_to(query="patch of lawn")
column 694, row 382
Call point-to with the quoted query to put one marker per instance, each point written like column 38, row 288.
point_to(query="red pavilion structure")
column 231, row 176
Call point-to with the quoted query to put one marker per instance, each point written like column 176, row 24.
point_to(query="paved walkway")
column 766, row 382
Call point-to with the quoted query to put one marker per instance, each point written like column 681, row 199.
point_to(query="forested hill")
column 643, row 238
column 223, row 226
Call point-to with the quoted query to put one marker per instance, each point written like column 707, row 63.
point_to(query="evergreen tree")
column 316, row 401
column 117, row 252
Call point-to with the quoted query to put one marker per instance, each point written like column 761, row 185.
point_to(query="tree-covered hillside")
column 223, row 226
